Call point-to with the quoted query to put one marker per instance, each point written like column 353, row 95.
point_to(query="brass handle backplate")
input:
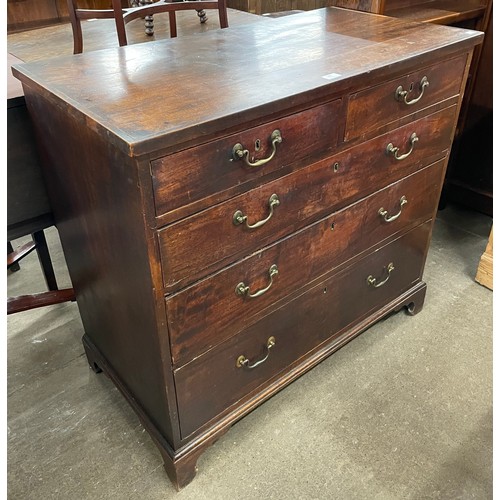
column 239, row 152
column 402, row 95
column 240, row 218
column 374, row 282
column 389, row 218
column 243, row 361
column 394, row 151
column 244, row 290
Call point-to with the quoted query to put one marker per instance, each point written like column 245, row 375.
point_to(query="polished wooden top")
column 151, row 96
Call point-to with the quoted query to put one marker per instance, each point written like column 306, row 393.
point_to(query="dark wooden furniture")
column 436, row 11
column 124, row 16
column 469, row 180
column 28, row 208
column 221, row 247
column 472, row 187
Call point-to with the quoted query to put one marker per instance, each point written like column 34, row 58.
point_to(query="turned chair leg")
column 202, row 15
column 149, row 27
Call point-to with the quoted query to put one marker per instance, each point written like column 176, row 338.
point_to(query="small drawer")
column 221, row 377
column 377, row 106
column 205, row 242
column 191, row 175
column 213, row 310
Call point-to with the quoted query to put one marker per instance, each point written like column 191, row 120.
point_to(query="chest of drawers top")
column 224, row 79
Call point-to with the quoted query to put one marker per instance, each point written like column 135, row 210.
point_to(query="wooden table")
column 99, row 34
column 28, row 208
column 235, row 207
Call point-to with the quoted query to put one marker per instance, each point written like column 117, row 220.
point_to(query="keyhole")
column 411, row 87
column 257, row 145
column 336, row 166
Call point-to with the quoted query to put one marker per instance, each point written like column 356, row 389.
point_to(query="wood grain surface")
column 207, row 75
column 308, row 193
column 212, row 382
column 197, row 323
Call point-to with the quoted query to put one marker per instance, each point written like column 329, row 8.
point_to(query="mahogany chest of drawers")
column 236, row 206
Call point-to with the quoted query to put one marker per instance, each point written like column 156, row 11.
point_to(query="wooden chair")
column 54, row 295
column 28, row 208
column 148, row 20
column 123, row 16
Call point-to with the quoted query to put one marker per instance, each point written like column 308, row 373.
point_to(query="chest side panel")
column 97, row 203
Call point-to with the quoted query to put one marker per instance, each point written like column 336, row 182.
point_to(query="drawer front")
column 210, row 312
column 378, row 106
column 196, row 173
column 213, row 382
column 205, row 242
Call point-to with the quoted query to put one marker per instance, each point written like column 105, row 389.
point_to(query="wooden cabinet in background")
column 28, row 14
column 436, row 11
column 25, row 14
column 469, row 180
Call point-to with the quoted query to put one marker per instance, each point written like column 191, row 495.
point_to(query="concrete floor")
column 402, row 412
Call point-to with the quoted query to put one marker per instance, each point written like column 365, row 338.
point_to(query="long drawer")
column 220, row 378
column 194, row 247
column 371, row 108
column 193, row 174
column 218, row 307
